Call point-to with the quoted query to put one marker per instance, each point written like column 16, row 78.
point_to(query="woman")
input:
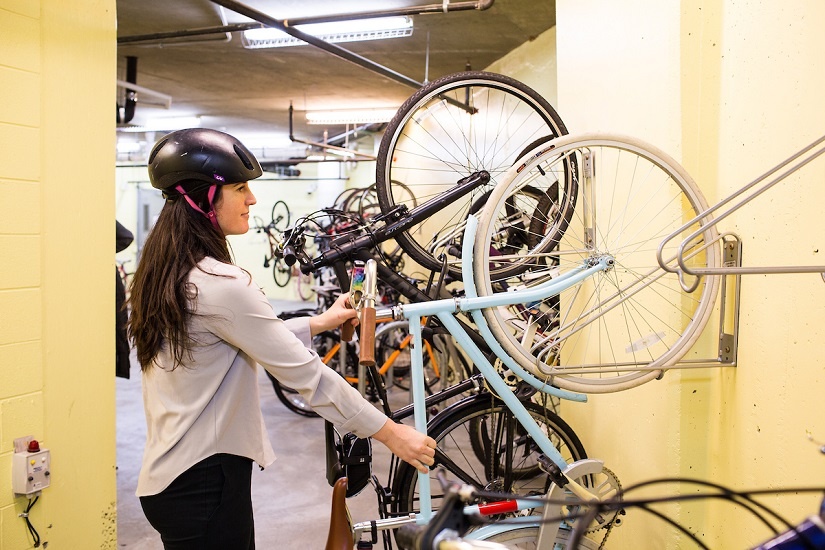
column 200, row 327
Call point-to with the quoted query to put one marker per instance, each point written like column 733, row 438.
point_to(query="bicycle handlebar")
column 343, row 247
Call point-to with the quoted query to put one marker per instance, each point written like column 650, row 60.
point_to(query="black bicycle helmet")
column 203, row 155
column 200, row 154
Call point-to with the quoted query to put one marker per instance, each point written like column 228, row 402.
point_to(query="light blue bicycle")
column 587, row 479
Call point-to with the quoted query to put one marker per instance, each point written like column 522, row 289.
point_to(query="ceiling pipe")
column 165, row 99
column 225, row 29
column 153, row 37
column 317, row 42
column 354, row 155
column 238, row 27
column 131, row 95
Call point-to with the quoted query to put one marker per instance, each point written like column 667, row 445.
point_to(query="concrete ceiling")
column 248, row 92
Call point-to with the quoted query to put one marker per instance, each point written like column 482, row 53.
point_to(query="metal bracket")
column 730, row 291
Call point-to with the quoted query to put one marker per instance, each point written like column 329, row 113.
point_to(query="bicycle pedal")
column 551, row 469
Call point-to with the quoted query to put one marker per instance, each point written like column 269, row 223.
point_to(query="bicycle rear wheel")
column 281, row 273
column 450, row 128
column 618, row 328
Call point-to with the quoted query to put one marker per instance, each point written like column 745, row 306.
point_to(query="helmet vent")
column 243, row 157
column 157, row 149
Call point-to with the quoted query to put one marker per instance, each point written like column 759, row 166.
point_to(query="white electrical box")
column 30, row 470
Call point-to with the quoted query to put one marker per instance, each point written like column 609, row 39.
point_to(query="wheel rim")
column 615, row 329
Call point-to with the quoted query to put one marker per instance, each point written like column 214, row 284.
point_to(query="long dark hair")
column 161, row 299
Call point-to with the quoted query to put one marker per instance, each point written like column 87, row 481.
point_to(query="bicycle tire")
column 525, row 538
column 281, row 273
column 526, row 228
column 347, row 198
column 431, row 143
column 451, row 430
column 291, row 398
column 280, row 216
column 619, row 328
column 304, row 282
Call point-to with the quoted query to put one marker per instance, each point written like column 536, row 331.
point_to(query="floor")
column 291, row 498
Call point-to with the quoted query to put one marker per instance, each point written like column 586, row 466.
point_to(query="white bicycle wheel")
column 524, row 538
column 617, row 329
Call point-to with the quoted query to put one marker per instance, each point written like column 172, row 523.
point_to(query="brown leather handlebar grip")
column 367, row 337
column 347, row 330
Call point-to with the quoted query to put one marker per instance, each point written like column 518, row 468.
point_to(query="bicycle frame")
column 444, row 310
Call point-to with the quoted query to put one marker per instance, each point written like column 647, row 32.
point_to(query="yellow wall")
column 533, row 63
column 57, row 353
column 730, row 89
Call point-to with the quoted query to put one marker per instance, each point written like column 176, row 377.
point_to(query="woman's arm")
column 256, row 330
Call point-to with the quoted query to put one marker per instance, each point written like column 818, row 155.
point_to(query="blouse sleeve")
column 239, row 313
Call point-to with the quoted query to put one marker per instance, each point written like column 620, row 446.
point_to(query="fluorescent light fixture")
column 351, row 116
column 354, row 30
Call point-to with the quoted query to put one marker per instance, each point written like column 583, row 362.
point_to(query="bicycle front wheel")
column 450, row 128
column 621, row 327
column 280, row 216
column 525, row 538
column 481, row 443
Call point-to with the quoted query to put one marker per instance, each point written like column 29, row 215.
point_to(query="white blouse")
column 210, row 404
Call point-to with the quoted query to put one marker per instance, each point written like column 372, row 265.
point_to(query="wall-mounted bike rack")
column 732, row 252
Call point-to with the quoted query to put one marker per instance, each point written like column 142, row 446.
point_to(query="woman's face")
column 232, row 208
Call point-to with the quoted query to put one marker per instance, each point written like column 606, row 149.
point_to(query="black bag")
column 349, row 457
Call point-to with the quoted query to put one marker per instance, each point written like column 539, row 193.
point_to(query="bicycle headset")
column 202, row 157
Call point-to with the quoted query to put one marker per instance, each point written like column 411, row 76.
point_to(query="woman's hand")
column 337, row 314
column 408, row 444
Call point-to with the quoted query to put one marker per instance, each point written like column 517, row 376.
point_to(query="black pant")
column 122, row 348
column 207, row 507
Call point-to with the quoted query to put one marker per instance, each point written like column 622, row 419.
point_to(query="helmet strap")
column 210, row 196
